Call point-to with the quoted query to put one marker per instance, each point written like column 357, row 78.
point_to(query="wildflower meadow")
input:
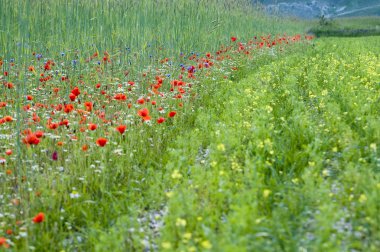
column 184, row 126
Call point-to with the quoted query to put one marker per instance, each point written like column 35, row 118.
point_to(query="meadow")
column 184, row 126
column 361, row 26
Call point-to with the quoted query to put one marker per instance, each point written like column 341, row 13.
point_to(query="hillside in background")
column 328, row 8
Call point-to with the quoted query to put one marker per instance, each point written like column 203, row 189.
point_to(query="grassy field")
column 200, row 127
column 346, row 27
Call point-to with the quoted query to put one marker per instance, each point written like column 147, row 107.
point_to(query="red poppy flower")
column 40, row 217
column 120, row 97
column 52, row 125
column 88, row 106
column 36, row 118
column 92, row 126
column 39, row 134
column 9, row 85
column 101, row 141
column 140, row 101
column 233, row 39
column 68, row 108
column 31, row 139
column 27, row 107
column 64, row 122
column 8, row 118
column 85, row 147
column 172, row 113
column 160, row 120
column 47, row 67
column 3, row 242
column 121, row 128
column 75, row 91
column 144, row 113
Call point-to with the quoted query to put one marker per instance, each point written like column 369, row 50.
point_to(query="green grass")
column 284, row 160
column 173, row 25
column 280, row 155
column 347, row 27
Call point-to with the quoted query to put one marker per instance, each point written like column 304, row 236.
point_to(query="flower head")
column 160, row 120
column 101, row 142
column 40, row 217
column 54, row 156
column 172, row 113
column 121, row 128
column 144, row 114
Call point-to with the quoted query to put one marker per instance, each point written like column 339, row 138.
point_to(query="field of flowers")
column 191, row 129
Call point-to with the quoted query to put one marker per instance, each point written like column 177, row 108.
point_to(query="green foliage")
column 175, row 25
column 286, row 159
column 323, row 21
column 346, row 27
column 281, row 156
